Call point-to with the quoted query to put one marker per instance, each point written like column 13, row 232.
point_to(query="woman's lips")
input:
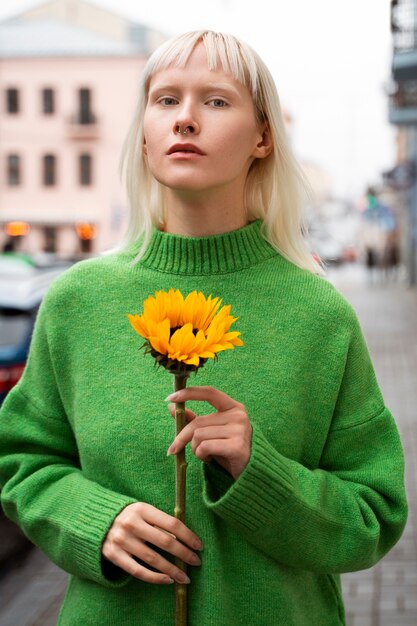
column 187, row 150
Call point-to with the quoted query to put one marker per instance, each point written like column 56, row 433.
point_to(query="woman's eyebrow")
column 221, row 87
column 161, row 88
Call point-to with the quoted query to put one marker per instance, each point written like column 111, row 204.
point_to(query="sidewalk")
column 385, row 595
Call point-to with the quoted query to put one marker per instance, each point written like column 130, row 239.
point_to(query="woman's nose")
column 186, row 121
column 183, row 130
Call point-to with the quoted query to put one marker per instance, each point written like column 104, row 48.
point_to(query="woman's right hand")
column 141, row 524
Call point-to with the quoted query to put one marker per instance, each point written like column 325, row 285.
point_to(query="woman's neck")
column 202, row 217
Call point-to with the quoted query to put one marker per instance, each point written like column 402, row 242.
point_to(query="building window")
column 48, row 101
column 85, row 115
column 13, row 170
column 12, row 100
column 49, row 170
column 85, row 169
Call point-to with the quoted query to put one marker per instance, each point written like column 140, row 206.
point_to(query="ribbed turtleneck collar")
column 214, row 254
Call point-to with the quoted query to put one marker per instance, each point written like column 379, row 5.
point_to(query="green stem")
column 180, row 381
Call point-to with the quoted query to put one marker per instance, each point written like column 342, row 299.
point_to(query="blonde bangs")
column 220, row 48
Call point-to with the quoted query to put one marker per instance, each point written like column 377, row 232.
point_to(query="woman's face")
column 223, row 136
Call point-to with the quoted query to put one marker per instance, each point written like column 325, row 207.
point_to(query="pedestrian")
column 391, row 257
column 372, row 239
column 295, row 466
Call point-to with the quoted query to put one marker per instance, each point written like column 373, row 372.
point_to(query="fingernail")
column 183, row 578
column 172, row 396
column 169, row 581
column 171, row 449
column 195, row 560
column 198, row 545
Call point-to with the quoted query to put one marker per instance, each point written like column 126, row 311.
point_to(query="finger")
column 218, row 399
column 148, row 556
column 168, row 542
column 208, row 448
column 213, row 432
column 187, row 433
column 189, row 415
column 156, row 517
column 132, row 567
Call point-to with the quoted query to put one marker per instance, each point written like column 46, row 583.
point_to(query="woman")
column 295, row 467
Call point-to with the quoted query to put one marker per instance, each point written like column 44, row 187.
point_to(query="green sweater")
column 86, row 432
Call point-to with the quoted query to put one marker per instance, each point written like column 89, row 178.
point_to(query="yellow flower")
column 182, row 333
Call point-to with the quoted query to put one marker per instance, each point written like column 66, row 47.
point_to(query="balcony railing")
column 405, row 96
column 403, row 103
column 83, row 126
column 404, row 24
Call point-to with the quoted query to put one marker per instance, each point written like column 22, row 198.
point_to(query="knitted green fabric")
column 86, row 431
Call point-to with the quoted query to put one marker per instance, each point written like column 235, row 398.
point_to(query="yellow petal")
column 189, row 309
column 183, row 339
column 218, row 347
column 200, row 341
column 193, row 360
column 207, row 355
column 139, row 326
column 156, row 344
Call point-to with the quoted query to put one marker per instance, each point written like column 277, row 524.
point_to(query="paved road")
column 385, row 595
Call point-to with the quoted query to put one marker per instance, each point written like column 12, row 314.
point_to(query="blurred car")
column 23, row 283
column 334, row 240
column 22, row 286
column 329, row 250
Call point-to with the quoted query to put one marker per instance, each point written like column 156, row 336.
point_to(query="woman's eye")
column 167, row 101
column 218, row 103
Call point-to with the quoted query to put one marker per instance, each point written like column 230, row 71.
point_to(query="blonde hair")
column 275, row 186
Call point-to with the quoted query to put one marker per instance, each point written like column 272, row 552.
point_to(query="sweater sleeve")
column 342, row 516
column 43, row 487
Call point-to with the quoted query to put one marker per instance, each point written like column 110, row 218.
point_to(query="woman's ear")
column 264, row 147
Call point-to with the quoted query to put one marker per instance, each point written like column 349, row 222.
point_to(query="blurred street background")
column 346, row 73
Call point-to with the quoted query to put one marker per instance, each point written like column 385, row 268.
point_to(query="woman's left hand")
column 224, row 436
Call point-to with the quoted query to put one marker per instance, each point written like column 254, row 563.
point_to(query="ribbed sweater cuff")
column 91, row 527
column 253, row 498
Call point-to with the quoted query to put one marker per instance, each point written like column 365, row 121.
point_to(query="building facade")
column 69, row 75
column 403, row 114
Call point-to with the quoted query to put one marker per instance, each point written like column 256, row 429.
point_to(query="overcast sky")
column 330, row 60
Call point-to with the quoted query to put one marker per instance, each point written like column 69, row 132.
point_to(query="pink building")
column 68, row 82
